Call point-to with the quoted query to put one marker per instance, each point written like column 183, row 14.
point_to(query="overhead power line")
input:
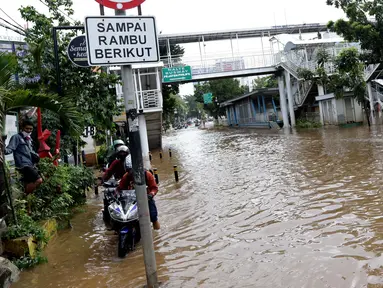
column 11, row 18
column 9, row 23
column 10, row 28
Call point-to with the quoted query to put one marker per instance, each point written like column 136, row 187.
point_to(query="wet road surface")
column 252, row 209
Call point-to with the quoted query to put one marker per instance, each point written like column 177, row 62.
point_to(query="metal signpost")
column 173, row 74
column 126, row 40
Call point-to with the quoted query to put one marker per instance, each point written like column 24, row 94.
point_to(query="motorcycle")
column 121, row 212
column 109, row 188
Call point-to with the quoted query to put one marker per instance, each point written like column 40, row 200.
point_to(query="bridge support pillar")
column 282, row 100
column 370, row 97
column 321, row 108
column 290, row 98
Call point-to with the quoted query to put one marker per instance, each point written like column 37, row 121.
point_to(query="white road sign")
column 121, row 40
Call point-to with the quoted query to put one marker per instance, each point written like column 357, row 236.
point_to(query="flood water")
column 252, row 209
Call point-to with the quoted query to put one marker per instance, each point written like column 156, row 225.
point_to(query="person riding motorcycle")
column 112, row 151
column 127, row 183
column 117, row 168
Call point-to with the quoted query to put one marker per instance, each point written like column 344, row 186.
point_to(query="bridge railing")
column 149, row 100
column 291, row 61
column 223, row 64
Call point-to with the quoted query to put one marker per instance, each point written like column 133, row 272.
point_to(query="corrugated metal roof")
column 291, row 45
column 264, row 91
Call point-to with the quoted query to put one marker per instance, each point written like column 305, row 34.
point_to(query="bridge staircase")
column 292, row 62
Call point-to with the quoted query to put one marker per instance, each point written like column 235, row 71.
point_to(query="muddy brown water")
column 252, row 209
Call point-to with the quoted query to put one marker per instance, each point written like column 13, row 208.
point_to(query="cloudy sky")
column 181, row 16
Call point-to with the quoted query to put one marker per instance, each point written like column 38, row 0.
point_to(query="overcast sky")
column 181, row 16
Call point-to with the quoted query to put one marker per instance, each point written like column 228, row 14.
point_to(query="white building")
column 339, row 111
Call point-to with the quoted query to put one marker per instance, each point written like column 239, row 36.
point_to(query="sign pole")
column 142, row 124
column 139, row 172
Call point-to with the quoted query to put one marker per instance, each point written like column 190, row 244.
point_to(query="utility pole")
column 139, row 171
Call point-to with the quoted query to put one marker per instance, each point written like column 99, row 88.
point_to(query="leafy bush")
column 27, row 261
column 102, row 154
column 26, row 226
column 307, row 124
column 64, row 187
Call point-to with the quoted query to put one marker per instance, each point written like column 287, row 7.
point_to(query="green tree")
column 93, row 93
column 13, row 98
column 181, row 106
column 193, row 108
column 222, row 90
column 348, row 76
column 364, row 24
column 265, row 82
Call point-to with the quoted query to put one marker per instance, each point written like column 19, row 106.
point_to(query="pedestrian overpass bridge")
column 206, row 67
column 231, row 63
column 282, row 59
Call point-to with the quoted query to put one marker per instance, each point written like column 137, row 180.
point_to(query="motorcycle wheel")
column 138, row 234
column 105, row 215
column 105, row 212
column 122, row 247
column 131, row 239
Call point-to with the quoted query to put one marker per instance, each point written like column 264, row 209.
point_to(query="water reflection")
column 252, row 209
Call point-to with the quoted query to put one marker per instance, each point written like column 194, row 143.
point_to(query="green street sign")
column 208, row 98
column 174, row 74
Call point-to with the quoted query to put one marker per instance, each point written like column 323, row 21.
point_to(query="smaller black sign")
column 89, row 131
column 77, row 51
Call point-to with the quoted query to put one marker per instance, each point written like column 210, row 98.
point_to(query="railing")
column 369, row 70
column 149, row 100
column 225, row 64
column 291, row 61
column 197, row 57
column 303, row 90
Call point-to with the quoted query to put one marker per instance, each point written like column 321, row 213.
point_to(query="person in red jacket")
column 127, row 183
column 117, row 168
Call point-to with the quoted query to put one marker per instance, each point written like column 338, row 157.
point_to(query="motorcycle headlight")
column 116, row 213
column 133, row 212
